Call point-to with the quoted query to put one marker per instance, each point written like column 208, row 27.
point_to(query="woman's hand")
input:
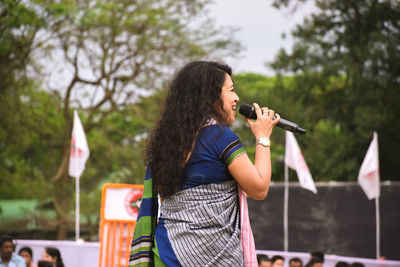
column 255, row 178
column 264, row 124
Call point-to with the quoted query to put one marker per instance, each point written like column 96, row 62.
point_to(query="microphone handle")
column 282, row 123
column 289, row 126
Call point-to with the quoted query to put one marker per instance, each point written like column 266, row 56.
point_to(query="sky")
column 261, row 28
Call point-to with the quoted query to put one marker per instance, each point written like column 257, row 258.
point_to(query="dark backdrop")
column 338, row 220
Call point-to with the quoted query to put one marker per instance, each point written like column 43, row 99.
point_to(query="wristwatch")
column 263, row 141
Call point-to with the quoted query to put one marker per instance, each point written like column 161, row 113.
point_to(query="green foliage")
column 346, row 66
column 326, row 153
column 18, row 26
column 28, row 158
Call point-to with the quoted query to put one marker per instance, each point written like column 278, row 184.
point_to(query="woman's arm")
column 255, row 178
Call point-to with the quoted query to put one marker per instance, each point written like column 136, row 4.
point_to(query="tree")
column 18, row 28
column 345, row 62
column 19, row 24
column 108, row 53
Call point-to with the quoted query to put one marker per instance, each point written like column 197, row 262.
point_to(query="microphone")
column 249, row 112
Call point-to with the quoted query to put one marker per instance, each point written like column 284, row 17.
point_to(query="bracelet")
column 263, row 141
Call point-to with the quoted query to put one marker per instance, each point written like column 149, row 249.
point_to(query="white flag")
column 368, row 177
column 295, row 160
column 79, row 152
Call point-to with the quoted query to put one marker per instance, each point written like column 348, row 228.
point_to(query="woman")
column 26, row 253
column 52, row 255
column 195, row 164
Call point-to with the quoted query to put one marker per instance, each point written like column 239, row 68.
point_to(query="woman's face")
column 229, row 99
column 26, row 256
column 47, row 257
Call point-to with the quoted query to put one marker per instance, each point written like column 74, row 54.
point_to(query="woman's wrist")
column 264, row 141
column 261, row 135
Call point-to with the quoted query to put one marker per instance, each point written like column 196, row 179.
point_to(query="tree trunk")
column 62, row 192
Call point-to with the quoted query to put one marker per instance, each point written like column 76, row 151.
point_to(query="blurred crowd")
column 316, row 260
column 51, row 257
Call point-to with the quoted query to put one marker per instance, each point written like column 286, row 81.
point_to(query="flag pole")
column 77, row 211
column 378, row 238
column 78, row 156
column 295, row 160
column 369, row 180
column 285, row 211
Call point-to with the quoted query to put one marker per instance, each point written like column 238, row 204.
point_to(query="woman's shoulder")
column 223, row 141
column 219, row 132
column 216, row 128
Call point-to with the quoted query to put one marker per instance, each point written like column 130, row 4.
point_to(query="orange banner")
column 120, row 205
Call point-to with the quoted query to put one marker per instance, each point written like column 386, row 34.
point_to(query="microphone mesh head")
column 248, row 111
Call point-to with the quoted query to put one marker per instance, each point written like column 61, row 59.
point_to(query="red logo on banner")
column 132, row 202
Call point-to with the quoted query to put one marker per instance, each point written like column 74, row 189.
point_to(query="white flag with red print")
column 295, row 160
column 79, row 152
column 368, row 177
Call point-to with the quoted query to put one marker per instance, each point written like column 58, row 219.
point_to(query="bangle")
column 263, row 141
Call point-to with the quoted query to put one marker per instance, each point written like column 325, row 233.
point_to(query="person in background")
column 277, row 261
column 317, row 255
column 342, row 264
column 42, row 263
column 356, row 264
column 7, row 256
column 263, row 260
column 295, row 262
column 26, row 253
column 314, row 262
column 53, row 255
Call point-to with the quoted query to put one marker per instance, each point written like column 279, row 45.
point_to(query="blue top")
column 206, row 206
column 215, row 148
column 16, row 261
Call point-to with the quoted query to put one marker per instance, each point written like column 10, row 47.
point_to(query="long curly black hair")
column 193, row 98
